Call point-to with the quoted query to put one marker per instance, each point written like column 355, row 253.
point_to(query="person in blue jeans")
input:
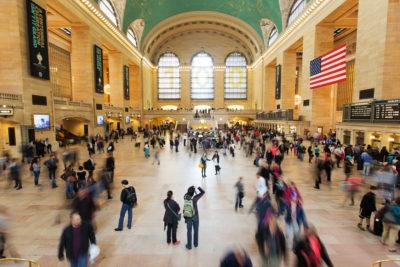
column 367, row 159
column 191, row 215
column 51, row 164
column 129, row 200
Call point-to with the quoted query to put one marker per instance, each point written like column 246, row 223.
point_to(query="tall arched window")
column 169, row 80
column 108, row 10
column 297, row 8
column 131, row 36
column 202, row 76
column 235, row 76
column 272, row 36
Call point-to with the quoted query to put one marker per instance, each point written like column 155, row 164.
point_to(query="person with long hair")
column 171, row 218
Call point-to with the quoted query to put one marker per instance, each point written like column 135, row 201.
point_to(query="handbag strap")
column 176, row 215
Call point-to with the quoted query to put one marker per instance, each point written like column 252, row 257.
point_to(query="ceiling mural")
column 251, row 12
column 155, row 11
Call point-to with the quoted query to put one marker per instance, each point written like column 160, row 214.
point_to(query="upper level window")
column 131, row 36
column 297, row 8
column 202, row 76
column 235, row 76
column 273, row 35
column 108, row 10
column 169, row 81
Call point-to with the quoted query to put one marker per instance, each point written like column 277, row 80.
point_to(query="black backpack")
column 131, row 197
column 87, row 165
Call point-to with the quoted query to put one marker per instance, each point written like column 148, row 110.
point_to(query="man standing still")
column 129, row 200
column 191, row 215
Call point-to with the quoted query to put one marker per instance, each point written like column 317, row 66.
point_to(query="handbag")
column 201, row 165
column 177, row 215
column 389, row 217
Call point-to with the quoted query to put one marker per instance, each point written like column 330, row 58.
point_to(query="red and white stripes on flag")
column 329, row 68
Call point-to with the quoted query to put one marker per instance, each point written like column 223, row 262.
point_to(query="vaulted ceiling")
column 246, row 23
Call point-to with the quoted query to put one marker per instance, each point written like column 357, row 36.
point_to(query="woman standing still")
column 203, row 161
column 171, row 218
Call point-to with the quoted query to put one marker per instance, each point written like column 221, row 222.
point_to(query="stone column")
column 288, row 80
column 269, row 94
column 135, row 100
column 10, row 46
column 378, row 58
column 116, row 78
column 82, row 68
column 219, row 86
column 185, row 88
column 321, row 97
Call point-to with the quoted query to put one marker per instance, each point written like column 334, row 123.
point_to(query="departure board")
column 361, row 111
column 387, row 110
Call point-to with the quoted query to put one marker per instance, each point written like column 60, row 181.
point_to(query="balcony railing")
column 71, row 103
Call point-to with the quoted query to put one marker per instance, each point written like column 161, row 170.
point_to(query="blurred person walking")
column 35, row 168
column 240, row 193
column 310, row 251
column 75, row 240
column 51, row 165
column 391, row 225
column 15, row 173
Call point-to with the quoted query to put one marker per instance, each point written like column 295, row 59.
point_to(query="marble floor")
column 38, row 215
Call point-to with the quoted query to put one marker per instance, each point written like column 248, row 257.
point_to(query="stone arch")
column 285, row 6
column 138, row 27
column 266, row 27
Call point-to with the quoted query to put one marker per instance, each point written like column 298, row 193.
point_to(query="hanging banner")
column 98, row 70
column 278, row 82
column 126, row 82
column 37, row 31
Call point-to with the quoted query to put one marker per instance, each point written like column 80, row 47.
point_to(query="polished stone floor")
column 39, row 215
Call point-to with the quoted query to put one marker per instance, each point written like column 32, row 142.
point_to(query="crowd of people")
column 276, row 196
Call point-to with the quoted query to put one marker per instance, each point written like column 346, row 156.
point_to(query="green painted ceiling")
column 155, row 11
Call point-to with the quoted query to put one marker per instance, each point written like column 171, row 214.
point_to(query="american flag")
column 329, row 68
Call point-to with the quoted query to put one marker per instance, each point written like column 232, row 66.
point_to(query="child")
column 367, row 206
column 240, row 193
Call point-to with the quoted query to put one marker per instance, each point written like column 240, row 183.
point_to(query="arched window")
column 131, row 36
column 297, row 8
column 235, row 76
column 169, row 80
column 108, row 10
column 202, row 76
column 272, row 36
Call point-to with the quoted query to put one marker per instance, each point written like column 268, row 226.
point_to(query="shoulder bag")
column 389, row 217
column 178, row 216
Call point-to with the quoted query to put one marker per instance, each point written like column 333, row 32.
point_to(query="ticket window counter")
column 346, row 137
column 360, row 138
column 375, row 140
column 292, row 129
column 394, row 146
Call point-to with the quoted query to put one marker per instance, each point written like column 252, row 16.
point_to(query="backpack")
column 87, row 165
column 131, row 197
column 188, row 208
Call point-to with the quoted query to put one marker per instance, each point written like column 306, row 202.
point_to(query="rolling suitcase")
column 378, row 226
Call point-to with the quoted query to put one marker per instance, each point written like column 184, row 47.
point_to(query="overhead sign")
column 6, row 111
column 37, row 30
column 387, row 110
column 360, row 111
column 98, row 70
column 126, row 82
column 278, row 82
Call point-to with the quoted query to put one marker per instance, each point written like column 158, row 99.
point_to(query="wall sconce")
column 109, row 114
column 138, row 115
